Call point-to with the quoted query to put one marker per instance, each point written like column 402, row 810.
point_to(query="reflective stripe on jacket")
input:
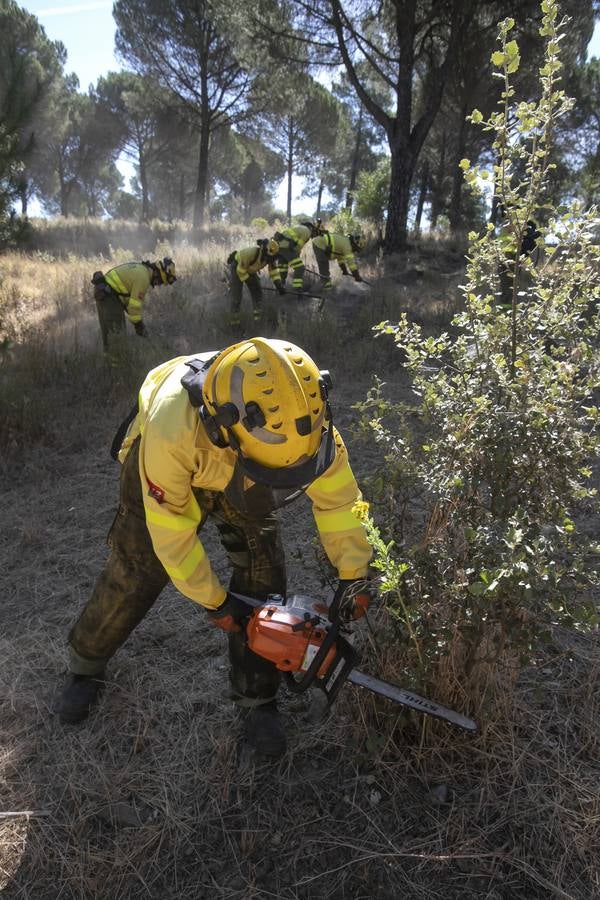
column 130, row 281
column 338, row 247
column 176, row 455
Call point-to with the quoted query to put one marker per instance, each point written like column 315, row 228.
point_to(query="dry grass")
column 155, row 797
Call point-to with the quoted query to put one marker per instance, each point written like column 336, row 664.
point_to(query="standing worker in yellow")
column 244, row 266
column 122, row 292
column 291, row 241
column 341, row 248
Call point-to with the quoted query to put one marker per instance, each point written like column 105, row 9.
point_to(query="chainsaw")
column 297, row 636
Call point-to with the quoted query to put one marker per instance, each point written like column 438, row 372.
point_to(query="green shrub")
column 498, row 450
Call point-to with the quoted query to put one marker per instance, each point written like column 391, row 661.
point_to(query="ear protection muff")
column 226, row 416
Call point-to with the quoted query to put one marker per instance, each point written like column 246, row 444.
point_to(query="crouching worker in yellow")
column 230, row 435
column 122, row 292
column 337, row 247
column 244, row 266
column 291, row 241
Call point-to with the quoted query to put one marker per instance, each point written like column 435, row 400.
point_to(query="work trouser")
column 236, row 288
column 322, row 258
column 289, row 257
column 111, row 312
column 134, row 577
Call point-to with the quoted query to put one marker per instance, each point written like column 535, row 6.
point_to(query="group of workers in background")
column 120, row 293
column 284, row 252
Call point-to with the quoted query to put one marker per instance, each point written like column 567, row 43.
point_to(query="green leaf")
column 477, row 588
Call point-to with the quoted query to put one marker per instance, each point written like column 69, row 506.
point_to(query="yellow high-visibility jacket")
column 177, row 455
column 130, row 281
column 249, row 262
column 338, row 247
column 298, row 233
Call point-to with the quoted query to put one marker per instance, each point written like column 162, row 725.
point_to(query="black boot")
column 78, row 696
column 264, row 732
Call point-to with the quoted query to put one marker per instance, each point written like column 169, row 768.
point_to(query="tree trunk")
column 202, row 180
column 23, row 196
column 144, row 187
column 63, row 189
column 182, row 197
column 65, row 193
column 319, row 197
column 290, row 170
column 396, row 231
column 422, row 195
column 354, row 166
column 496, row 201
column 455, row 212
column 405, row 133
column 438, row 186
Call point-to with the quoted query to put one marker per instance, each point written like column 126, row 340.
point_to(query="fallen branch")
column 37, row 813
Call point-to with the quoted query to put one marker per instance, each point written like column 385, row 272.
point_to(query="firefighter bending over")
column 228, row 435
column 291, row 241
column 337, row 247
column 122, row 292
column 244, row 266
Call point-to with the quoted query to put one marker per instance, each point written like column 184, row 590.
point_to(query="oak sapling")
column 507, row 427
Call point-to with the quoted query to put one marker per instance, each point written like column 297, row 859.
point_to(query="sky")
column 87, row 30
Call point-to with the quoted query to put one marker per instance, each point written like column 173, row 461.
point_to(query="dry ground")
column 155, row 797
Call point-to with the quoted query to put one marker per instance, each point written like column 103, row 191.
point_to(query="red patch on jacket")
column 154, row 491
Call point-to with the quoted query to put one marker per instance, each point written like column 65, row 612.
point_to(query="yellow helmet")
column 166, row 269
column 269, row 401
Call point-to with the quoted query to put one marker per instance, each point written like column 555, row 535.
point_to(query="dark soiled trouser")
column 237, row 289
column 133, row 578
column 111, row 313
column 322, row 258
column 289, row 255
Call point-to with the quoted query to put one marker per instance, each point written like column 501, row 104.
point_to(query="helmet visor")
column 293, row 478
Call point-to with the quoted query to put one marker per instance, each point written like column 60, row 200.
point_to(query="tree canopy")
column 217, row 104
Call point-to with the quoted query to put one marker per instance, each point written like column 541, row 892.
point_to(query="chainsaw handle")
column 337, row 672
column 298, row 685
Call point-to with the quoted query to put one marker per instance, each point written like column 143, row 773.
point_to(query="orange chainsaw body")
column 290, row 636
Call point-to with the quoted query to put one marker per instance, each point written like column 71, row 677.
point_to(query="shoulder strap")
column 122, row 431
column 193, row 381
